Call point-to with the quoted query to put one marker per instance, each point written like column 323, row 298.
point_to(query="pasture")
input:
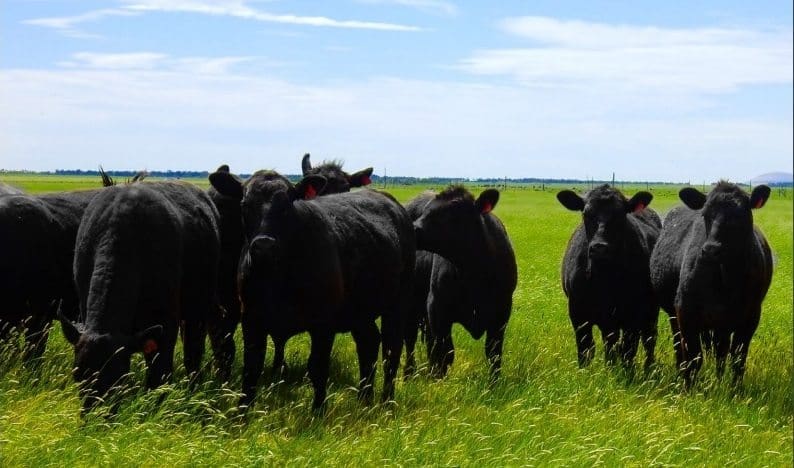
column 543, row 411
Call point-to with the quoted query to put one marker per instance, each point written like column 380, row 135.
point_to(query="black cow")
column 337, row 180
column 223, row 321
column 605, row 274
column 37, row 234
column 472, row 276
column 325, row 265
column 146, row 259
column 711, row 270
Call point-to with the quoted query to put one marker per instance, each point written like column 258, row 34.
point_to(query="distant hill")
column 774, row 178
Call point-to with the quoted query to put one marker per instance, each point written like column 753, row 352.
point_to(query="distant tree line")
column 390, row 180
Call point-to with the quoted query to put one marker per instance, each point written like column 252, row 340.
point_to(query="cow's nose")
column 598, row 249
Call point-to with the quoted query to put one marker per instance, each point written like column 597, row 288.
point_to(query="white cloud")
column 162, row 62
column 232, row 8
column 170, row 118
column 67, row 25
column 577, row 53
column 431, row 6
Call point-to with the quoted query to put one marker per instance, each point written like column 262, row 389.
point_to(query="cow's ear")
column 306, row 164
column 310, row 186
column 227, row 184
column 223, row 168
column 146, row 340
column 487, row 201
column 70, row 330
column 692, row 198
column 360, row 178
column 638, row 202
column 759, row 196
column 570, row 200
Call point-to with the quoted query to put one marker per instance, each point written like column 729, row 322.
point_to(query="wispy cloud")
column 577, row 53
column 67, row 25
column 430, row 6
column 154, row 61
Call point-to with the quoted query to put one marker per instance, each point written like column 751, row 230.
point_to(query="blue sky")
column 678, row 91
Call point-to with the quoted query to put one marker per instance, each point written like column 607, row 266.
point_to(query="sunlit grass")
column 544, row 411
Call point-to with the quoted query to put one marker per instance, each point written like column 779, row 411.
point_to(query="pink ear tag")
column 759, row 203
column 310, row 193
column 366, row 180
column 639, row 207
column 486, row 208
column 150, row 347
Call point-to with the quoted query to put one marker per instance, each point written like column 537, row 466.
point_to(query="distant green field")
column 544, row 411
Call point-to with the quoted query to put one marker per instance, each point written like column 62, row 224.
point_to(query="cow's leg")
column 159, row 357
column 37, row 328
column 410, row 333
column 610, row 336
column 254, row 348
column 221, row 325
column 648, row 337
column 494, row 341
column 690, row 343
column 194, row 332
column 279, row 363
column 583, row 331
column 393, row 331
column 440, row 349
column 367, row 339
column 319, row 361
column 722, row 344
column 678, row 348
column 628, row 347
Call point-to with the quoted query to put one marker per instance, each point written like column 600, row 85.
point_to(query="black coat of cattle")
column 711, row 270
column 223, row 324
column 605, row 273
column 223, row 321
column 468, row 277
column 326, row 265
column 145, row 260
column 37, row 235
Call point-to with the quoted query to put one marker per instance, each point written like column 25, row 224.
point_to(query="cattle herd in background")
column 127, row 267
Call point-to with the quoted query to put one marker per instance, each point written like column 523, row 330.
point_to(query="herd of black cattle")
column 128, row 267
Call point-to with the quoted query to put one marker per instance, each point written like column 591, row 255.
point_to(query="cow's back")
column 127, row 257
column 374, row 240
column 668, row 254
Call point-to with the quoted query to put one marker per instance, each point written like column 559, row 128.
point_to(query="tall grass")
column 544, row 411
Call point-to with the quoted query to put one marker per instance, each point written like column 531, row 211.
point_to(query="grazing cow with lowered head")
column 321, row 265
column 605, row 274
column 473, row 273
column 146, row 260
column 711, row 270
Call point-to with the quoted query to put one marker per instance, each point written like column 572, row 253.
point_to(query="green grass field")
column 544, row 411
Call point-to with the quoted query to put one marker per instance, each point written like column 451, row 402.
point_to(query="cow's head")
column 451, row 223
column 727, row 216
column 266, row 201
column 337, row 180
column 604, row 211
column 101, row 360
